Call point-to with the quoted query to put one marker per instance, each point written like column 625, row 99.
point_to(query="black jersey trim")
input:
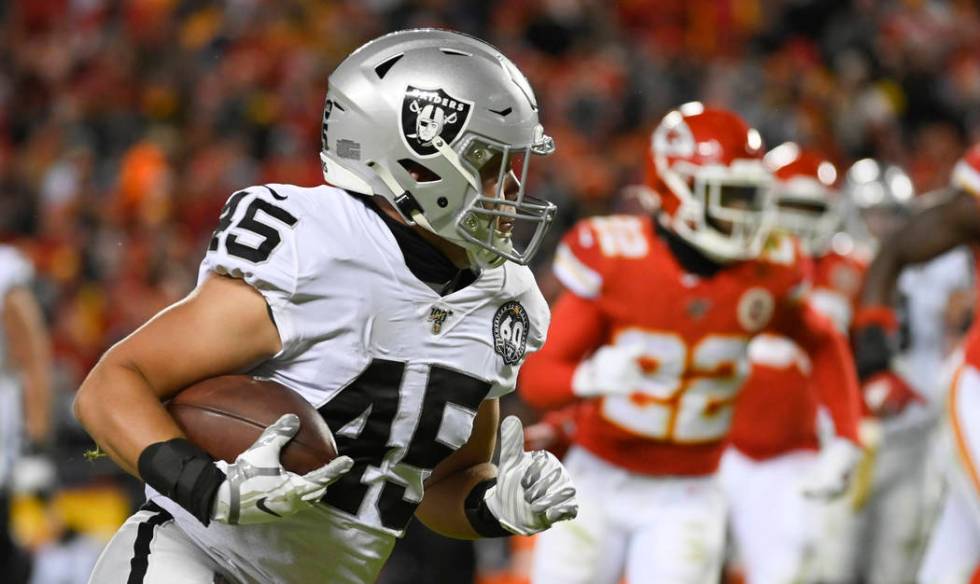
column 423, row 259
column 141, row 548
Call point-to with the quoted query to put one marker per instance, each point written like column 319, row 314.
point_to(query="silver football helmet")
column 431, row 120
column 877, row 198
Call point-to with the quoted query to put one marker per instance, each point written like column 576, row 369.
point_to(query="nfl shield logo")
column 427, row 113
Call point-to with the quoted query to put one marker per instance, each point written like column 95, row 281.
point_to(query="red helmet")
column 807, row 202
column 706, row 166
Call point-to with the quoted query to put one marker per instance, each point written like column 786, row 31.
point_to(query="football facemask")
column 807, row 203
column 805, row 220
column 501, row 221
column 729, row 212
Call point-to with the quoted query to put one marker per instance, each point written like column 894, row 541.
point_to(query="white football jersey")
column 396, row 370
column 924, row 292
column 15, row 271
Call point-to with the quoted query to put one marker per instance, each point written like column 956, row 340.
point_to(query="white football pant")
column 150, row 549
column 953, row 554
column 773, row 524
column 876, row 533
column 650, row 529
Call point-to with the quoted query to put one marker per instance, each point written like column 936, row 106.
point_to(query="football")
column 225, row 415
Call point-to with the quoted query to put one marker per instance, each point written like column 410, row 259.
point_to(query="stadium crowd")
column 125, row 125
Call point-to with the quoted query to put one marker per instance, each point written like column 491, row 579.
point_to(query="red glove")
column 886, row 395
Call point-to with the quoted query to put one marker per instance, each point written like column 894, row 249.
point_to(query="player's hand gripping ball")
column 276, row 450
column 258, row 489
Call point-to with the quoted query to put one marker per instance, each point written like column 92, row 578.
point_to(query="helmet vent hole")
column 443, row 202
column 502, row 113
column 386, row 66
column 455, row 52
column 420, row 173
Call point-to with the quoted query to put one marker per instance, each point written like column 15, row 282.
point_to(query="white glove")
column 533, row 489
column 612, row 370
column 831, row 474
column 33, row 473
column 259, row 490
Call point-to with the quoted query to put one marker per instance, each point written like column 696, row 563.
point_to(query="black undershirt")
column 689, row 257
column 423, row 259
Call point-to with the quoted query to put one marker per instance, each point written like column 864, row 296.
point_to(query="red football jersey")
column 625, row 286
column 777, row 409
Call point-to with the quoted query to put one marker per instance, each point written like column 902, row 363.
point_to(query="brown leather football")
column 225, row 415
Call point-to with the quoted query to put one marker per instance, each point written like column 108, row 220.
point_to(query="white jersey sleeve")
column 924, row 292
column 15, row 270
column 538, row 313
column 256, row 241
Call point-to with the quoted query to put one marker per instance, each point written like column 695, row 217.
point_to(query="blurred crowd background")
column 124, row 125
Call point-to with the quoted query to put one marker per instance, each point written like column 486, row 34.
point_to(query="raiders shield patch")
column 427, row 113
column 510, row 327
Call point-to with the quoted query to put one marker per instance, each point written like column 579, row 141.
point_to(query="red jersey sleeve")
column 834, row 377
column 577, row 328
column 836, row 287
column 579, row 260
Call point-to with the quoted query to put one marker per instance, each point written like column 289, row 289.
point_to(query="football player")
column 880, row 532
column 652, row 334
column 954, row 549
column 773, row 475
column 395, row 300
column 25, row 393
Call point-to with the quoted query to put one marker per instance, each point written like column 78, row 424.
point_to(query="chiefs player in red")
column 953, row 554
column 652, row 335
column 773, row 467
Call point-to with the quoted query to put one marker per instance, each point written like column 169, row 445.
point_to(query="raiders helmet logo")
column 427, row 113
column 510, row 328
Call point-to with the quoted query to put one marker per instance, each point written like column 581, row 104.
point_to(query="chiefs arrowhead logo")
column 427, row 113
column 755, row 309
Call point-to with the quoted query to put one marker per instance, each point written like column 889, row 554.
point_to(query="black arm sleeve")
column 184, row 473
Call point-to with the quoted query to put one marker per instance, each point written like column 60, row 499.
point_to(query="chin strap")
column 409, row 207
column 453, row 158
column 404, row 200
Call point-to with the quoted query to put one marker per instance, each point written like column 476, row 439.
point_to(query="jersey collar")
column 690, row 259
column 423, row 259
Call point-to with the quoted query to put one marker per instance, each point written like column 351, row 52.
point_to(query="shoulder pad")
column 586, row 250
column 255, row 239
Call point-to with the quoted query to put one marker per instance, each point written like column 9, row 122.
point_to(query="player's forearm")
column 546, row 382
column 840, row 394
column 927, row 234
column 37, row 402
column 879, row 282
column 117, row 407
column 836, row 381
column 578, row 328
column 36, row 377
column 30, row 351
column 834, row 374
column 443, row 508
